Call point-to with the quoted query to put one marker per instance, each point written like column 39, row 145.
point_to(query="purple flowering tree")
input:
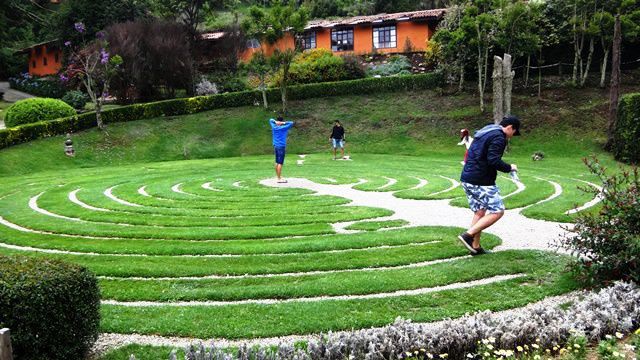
column 91, row 63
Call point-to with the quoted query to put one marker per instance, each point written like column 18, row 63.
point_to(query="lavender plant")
column 534, row 332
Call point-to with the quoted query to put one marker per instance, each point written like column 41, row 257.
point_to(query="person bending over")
column 478, row 179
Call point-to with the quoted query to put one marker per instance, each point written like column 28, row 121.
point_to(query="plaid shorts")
column 483, row 197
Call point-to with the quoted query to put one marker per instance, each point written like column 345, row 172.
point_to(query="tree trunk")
column 99, row 114
column 461, row 83
column 526, row 71
column 585, row 73
column 263, row 88
column 498, row 93
column 480, row 87
column 283, row 87
column 603, row 66
column 540, row 62
column 614, row 92
column 576, row 50
column 486, row 68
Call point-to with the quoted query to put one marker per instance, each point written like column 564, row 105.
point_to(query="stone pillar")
column 498, row 93
column 6, row 352
column 502, row 86
column 507, row 83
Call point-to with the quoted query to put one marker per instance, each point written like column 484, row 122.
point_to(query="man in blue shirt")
column 280, row 128
column 479, row 179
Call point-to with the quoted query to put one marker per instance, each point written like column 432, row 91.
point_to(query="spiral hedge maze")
column 202, row 249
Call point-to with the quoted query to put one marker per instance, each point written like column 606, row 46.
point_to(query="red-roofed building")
column 384, row 33
column 44, row 58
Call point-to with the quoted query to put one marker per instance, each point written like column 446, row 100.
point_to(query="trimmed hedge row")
column 626, row 143
column 174, row 107
column 51, row 307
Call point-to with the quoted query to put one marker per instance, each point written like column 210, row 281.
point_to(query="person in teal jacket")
column 280, row 129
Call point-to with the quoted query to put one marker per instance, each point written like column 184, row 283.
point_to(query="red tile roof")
column 434, row 14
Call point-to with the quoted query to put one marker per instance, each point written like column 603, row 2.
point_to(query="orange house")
column 384, row 33
column 44, row 58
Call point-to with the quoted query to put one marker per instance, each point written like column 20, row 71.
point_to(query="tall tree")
column 614, row 92
column 260, row 66
column 95, row 15
column 603, row 25
column 279, row 23
column 191, row 13
column 21, row 23
column 480, row 20
column 91, row 62
column 450, row 44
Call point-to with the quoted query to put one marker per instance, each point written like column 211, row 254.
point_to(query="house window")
column 33, row 64
column 308, row 40
column 253, row 44
column 44, row 61
column 384, row 37
column 342, row 40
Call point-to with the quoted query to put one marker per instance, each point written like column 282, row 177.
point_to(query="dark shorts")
column 279, row 151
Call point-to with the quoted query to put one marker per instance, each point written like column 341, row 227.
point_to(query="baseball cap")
column 511, row 120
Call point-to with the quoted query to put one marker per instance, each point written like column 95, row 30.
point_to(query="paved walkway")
column 11, row 95
column 515, row 230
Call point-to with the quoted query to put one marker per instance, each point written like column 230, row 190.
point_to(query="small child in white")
column 466, row 140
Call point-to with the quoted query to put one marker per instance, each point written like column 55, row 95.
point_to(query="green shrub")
column 173, row 107
column 626, row 146
column 353, row 67
column 76, row 99
column 51, row 307
column 321, row 65
column 606, row 245
column 396, row 65
column 36, row 109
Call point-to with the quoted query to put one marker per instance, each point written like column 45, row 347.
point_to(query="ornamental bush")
column 321, row 65
column 36, row 109
column 396, row 65
column 626, row 143
column 607, row 244
column 51, row 307
column 76, row 99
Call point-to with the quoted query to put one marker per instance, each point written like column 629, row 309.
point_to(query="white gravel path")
column 421, row 183
column 73, row 197
column 515, row 230
column 390, row 182
column 589, row 204
column 208, row 186
column 454, row 184
column 108, row 193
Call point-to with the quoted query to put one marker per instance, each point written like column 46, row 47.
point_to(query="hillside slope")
column 566, row 122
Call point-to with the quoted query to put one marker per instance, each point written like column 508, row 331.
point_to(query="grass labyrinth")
column 201, row 249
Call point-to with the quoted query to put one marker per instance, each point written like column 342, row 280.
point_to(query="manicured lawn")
column 206, row 230
column 171, row 209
